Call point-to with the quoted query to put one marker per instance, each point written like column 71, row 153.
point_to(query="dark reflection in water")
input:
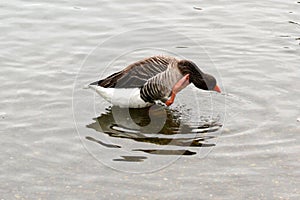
column 154, row 125
column 167, row 152
column 131, row 158
column 102, row 143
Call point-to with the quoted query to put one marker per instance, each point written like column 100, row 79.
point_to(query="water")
column 243, row 145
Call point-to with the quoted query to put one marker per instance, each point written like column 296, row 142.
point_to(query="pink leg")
column 181, row 84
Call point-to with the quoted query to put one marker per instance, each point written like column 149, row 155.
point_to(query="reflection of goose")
column 152, row 79
column 157, row 125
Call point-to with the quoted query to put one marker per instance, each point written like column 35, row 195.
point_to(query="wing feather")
column 136, row 74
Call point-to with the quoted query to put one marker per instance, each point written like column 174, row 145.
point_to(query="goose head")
column 200, row 79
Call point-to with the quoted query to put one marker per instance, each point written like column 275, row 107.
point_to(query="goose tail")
column 106, row 93
column 94, row 83
column 91, row 85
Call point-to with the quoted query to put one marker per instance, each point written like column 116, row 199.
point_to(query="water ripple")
column 169, row 130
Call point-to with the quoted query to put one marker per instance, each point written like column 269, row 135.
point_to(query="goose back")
column 136, row 74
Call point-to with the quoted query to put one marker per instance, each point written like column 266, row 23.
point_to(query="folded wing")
column 136, row 74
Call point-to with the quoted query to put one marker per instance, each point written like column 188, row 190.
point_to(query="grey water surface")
column 61, row 141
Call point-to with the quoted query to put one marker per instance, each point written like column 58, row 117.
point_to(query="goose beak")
column 217, row 89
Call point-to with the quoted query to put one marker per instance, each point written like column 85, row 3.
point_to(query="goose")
column 153, row 79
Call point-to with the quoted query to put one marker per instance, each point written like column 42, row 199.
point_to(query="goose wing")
column 136, row 74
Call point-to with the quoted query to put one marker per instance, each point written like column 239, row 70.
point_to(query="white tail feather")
column 122, row 97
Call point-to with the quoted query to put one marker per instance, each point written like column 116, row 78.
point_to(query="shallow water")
column 60, row 141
